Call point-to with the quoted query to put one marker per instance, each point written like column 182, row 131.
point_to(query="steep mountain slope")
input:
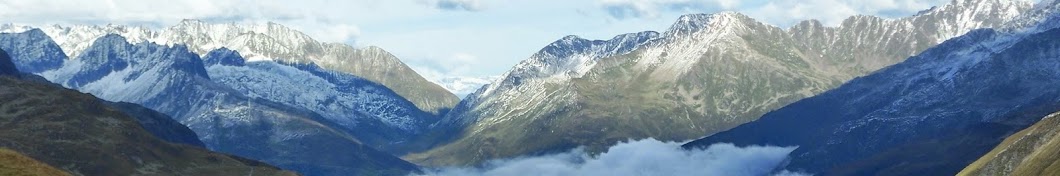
column 7, row 67
column 1032, row 151
column 269, row 41
column 36, row 52
column 374, row 114
column 932, row 114
column 86, row 137
column 174, row 81
column 705, row 74
column 160, row 125
column 14, row 163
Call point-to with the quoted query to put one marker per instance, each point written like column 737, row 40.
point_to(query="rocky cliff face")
column 35, row 52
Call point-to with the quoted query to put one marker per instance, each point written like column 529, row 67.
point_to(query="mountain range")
column 269, row 41
column 705, row 74
column 958, row 88
column 932, row 114
column 175, row 81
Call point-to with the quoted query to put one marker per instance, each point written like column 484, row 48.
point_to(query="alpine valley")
column 967, row 88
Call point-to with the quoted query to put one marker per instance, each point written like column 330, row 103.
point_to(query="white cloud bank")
column 644, row 157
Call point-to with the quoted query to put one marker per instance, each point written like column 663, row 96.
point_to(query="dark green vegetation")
column 82, row 135
column 160, row 125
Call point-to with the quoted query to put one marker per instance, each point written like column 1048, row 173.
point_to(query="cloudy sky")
column 441, row 38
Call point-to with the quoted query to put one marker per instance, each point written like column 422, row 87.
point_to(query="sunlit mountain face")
column 469, row 87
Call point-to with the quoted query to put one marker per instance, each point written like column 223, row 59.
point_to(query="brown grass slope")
column 1032, row 151
column 13, row 163
column 78, row 133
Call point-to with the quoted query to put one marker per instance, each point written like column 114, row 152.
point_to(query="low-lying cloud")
column 455, row 5
column 643, row 157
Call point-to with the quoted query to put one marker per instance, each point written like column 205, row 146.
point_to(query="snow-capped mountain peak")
column 256, row 41
column 13, row 28
column 77, row 38
column 265, row 42
column 716, row 22
column 961, row 15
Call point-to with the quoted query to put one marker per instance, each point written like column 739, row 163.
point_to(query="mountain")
column 84, row 136
column 158, row 124
column 932, row 114
column 268, row 41
column 705, row 74
column 173, row 80
column 463, row 86
column 371, row 112
column 1032, row 151
column 14, row 163
column 35, row 51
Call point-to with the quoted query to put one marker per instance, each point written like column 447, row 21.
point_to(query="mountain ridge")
column 269, row 41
